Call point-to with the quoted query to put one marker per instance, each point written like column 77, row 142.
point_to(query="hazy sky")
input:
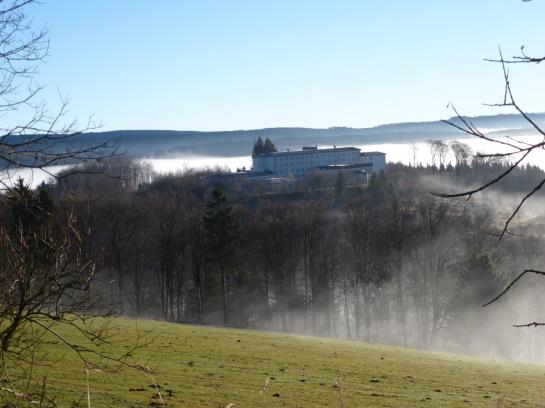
column 226, row 64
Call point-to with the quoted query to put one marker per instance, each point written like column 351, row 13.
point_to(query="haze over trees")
column 384, row 262
column 515, row 152
column 381, row 261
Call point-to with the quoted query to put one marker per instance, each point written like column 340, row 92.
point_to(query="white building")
column 301, row 162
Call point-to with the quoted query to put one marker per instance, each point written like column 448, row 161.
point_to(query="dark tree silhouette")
column 262, row 147
column 269, row 146
column 220, row 227
column 258, row 147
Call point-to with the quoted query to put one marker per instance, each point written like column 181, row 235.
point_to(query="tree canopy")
column 262, row 147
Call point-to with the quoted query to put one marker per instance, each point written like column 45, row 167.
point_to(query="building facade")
column 301, row 162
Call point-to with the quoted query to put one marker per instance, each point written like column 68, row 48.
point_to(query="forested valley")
column 384, row 261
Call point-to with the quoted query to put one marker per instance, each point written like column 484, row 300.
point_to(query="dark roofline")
column 310, row 151
column 373, row 154
column 345, row 166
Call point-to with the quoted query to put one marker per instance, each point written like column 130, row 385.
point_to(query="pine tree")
column 339, row 187
column 259, row 147
column 221, row 232
column 269, row 146
column 29, row 210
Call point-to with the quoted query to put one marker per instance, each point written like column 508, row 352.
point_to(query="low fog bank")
column 419, row 153
column 402, row 152
column 325, row 255
column 473, row 266
column 424, row 286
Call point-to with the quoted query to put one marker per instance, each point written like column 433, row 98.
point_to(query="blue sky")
column 212, row 65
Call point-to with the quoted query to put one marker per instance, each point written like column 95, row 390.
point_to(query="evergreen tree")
column 32, row 219
column 221, row 234
column 339, row 187
column 269, row 146
column 259, row 147
column 29, row 210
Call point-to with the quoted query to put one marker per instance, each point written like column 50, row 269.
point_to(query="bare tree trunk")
column 225, row 295
column 400, row 307
column 346, row 311
column 357, row 311
column 367, row 312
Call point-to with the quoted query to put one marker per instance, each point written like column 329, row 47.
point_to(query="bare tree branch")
column 522, row 148
column 503, row 292
column 533, row 324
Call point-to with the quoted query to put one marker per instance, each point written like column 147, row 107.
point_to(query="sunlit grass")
column 197, row 366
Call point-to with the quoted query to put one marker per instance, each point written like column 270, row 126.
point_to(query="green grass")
column 214, row 367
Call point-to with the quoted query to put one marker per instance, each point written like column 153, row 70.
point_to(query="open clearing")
column 197, row 366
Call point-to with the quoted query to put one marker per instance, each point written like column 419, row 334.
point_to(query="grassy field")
column 213, row 367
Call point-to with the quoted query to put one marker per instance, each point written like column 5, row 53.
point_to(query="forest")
column 385, row 261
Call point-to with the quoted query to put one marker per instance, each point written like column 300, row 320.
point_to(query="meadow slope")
column 197, row 366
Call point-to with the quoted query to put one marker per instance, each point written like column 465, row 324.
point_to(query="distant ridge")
column 170, row 143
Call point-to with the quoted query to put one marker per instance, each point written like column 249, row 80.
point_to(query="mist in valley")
column 400, row 150
column 272, row 204
column 385, row 262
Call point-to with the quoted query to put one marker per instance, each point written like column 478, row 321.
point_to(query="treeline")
column 384, row 262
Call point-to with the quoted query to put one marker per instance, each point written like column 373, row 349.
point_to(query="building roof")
column 309, row 151
column 373, row 154
column 345, row 166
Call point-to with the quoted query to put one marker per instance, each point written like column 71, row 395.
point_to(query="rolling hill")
column 164, row 143
column 172, row 143
column 197, row 366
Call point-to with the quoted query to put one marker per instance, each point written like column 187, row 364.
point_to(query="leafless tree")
column 461, row 151
column 433, row 151
column 312, row 232
column 45, row 273
column 516, row 150
column 414, row 153
column 45, row 281
column 438, row 150
column 46, row 137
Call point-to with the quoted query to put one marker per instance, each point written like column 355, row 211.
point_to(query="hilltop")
column 165, row 143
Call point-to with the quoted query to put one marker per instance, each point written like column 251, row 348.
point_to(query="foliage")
column 221, row 235
column 262, row 147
